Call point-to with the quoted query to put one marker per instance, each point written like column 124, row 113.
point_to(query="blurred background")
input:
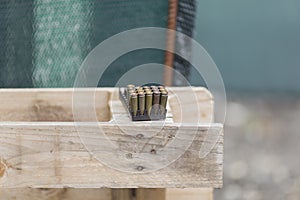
column 255, row 44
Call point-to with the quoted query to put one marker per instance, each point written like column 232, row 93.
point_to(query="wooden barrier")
column 40, row 148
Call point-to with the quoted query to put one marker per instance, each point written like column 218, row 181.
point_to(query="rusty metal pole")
column 170, row 42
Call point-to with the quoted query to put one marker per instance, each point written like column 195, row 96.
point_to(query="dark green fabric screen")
column 43, row 42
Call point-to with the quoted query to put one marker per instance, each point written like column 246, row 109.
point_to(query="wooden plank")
column 47, row 155
column 56, row 104
column 122, row 194
column 64, row 158
column 205, row 105
column 206, row 114
column 189, row 194
column 55, row 194
column 120, row 114
column 150, row 194
column 48, row 104
column 105, row 194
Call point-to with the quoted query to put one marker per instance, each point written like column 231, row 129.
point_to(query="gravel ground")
column 262, row 147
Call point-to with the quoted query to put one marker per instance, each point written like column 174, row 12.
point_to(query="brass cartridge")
column 156, row 100
column 149, row 99
column 141, row 102
column 163, row 101
column 134, row 103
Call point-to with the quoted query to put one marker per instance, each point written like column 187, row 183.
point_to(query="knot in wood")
column 3, row 167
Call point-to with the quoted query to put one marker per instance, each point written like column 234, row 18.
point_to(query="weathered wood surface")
column 150, row 194
column 121, row 194
column 105, row 194
column 56, row 105
column 42, row 154
column 53, row 105
column 189, row 194
column 56, row 194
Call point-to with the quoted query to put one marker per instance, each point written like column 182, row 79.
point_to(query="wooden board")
column 150, row 194
column 56, row 194
column 42, row 154
column 189, row 194
column 49, row 155
column 105, row 194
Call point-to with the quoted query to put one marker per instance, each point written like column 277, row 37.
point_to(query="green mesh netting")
column 16, row 46
column 43, row 42
column 61, row 40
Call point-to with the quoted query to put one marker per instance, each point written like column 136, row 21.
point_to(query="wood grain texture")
column 49, row 155
column 150, row 194
column 105, row 194
column 122, row 194
column 42, row 154
column 55, row 194
column 189, row 194
column 48, row 104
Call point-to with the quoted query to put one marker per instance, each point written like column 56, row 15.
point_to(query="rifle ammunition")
column 130, row 86
column 145, row 103
column 153, row 87
column 141, row 103
column 163, row 101
column 134, row 103
column 156, row 99
column 149, row 102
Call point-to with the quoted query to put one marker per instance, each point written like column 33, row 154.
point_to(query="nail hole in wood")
column 129, row 155
column 153, row 151
column 139, row 136
column 140, row 168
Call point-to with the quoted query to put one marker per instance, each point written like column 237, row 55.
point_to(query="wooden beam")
column 189, row 194
column 122, row 194
column 105, row 194
column 56, row 155
column 49, row 155
column 55, row 194
column 150, row 194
